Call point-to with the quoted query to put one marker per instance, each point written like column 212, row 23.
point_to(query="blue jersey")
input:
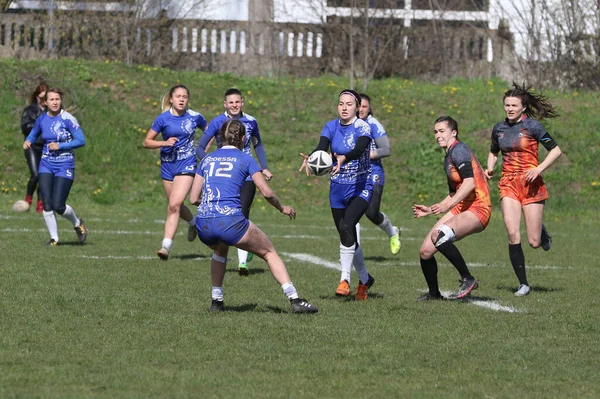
column 252, row 133
column 62, row 129
column 343, row 139
column 377, row 131
column 224, row 172
column 180, row 127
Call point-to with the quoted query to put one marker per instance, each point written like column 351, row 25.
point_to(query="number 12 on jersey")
column 220, row 169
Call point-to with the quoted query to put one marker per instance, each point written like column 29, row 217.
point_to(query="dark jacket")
column 30, row 114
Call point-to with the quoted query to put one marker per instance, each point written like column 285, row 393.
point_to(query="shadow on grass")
column 350, row 298
column 191, row 257
column 248, row 307
column 251, row 271
column 534, row 288
column 380, row 258
column 70, row 243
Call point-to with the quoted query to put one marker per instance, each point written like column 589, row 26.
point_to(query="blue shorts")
column 341, row 194
column 64, row 169
column 184, row 167
column 229, row 229
column 377, row 177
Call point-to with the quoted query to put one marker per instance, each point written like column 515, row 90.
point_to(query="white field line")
column 493, row 305
column 313, row 259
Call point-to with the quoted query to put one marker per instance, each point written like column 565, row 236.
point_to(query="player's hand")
column 531, row 175
column 488, row 173
column 170, row 142
column 26, row 145
column 421, row 210
column 289, row 211
column 438, row 209
column 53, row 146
column 268, row 175
column 340, row 161
column 304, row 164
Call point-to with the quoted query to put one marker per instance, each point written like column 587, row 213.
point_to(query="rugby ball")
column 20, row 206
column 319, row 163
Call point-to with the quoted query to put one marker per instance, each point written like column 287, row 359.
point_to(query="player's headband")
column 353, row 94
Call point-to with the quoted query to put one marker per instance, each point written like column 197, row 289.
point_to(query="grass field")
column 108, row 319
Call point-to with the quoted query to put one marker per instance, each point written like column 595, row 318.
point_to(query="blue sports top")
column 62, row 129
column 252, row 137
column 180, row 127
column 377, row 131
column 224, row 172
column 343, row 139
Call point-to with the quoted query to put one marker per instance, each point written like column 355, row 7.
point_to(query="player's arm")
column 383, row 148
column 323, row 145
column 78, row 141
column 361, row 145
column 262, row 185
column 196, row 190
column 150, row 141
column 492, row 156
column 552, row 156
column 27, row 121
column 261, row 154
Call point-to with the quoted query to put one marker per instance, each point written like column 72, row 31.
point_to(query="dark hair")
column 232, row 91
column 363, row 96
column 536, row 105
column 165, row 99
column 59, row 92
column 352, row 93
column 42, row 87
column 452, row 124
column 232, row 133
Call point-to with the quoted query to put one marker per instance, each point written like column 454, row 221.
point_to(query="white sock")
column 289, row 290
column 242, row 256
column 359, row 265
column 386, row 226
column 50, row 220
column 217, row 293
column 346, row 257
column 167, row 243
column 69, row 214
column 358, row 233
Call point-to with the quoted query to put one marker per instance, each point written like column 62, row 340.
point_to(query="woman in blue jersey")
column 221, row 222
column 177, row 125
column 61, row 135
column 234, row 103
column 33, row 154
column 351, row 188
column 380, row 148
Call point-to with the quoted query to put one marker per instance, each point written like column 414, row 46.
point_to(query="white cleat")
column 523, row 290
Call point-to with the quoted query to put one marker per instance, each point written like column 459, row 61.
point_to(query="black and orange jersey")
column 460, row 163
column 519, row 144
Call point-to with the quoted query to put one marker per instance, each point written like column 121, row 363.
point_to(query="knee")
column 426, row 253
column 174, row 208
column 346, row 234
column 514, row 237
column 534, row 242
column 372, row 216
column 61, row 209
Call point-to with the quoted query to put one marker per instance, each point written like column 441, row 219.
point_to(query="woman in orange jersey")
column 522, row 188
column 466, row 210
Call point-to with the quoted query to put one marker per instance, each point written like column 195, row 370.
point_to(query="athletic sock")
column 217, row 293
column 358, row 233
column 359, row 265
column 167, row 243
column 386, row 226
column 50, row 220
column 517, row 259
column 242, row 256
column 346, row 258
column 69, row 214
column 452, row 253
column 430, row 269
column 289, row 290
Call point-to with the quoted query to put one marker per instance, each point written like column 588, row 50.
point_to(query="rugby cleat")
column 243, row 269
column 300, row 305
column 81, row 232
column 362, row 289
column 39, row 208
column 343, row 288
column 428, row 297
column 216, row 306
column 163, row 253
column 546, row 239
column 192, row 233
column 52, row 243
column 523, row 290
column 395, row 243
column 466, row 286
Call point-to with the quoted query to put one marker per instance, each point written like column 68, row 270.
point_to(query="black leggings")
column 55, row 191
column 247, row 197
column 33, row 155
column 346, row 220
column 373, row 212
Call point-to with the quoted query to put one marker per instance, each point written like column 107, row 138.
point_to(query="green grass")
column 109, row 320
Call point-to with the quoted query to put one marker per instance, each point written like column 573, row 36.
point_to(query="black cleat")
column 300, row 305
column 428, row 297
column 546, row 239
column 52, row 243
column 81, row 232
column 217, row 306
column 466, row 286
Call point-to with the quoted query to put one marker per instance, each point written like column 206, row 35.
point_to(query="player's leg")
column 533, row 215
column 381, row 220
column 429, row 263
column 32, row 164
column 218, row 266
column 257, row 242
column 247, row 194
column 62, row 188
column 46, row 182
column 511, row 213
column 176, row 191
column 355, row 209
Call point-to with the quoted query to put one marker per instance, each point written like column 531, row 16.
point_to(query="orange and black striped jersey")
column 519, row 144
column 460, row 163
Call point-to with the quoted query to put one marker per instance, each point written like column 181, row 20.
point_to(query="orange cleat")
column 362, row 289
column 343, row 288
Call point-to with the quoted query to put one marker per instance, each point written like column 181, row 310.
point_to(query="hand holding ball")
column 319, row 163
